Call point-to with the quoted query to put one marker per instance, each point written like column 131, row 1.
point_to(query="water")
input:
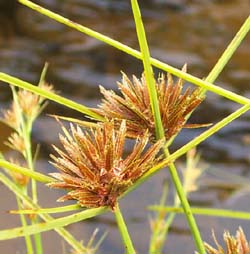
column 193, row 32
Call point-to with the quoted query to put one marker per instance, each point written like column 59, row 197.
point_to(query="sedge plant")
column 92, row 165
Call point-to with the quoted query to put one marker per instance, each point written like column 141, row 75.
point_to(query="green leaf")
column 49, row 95
column 163, row 66
column 27, row 200
column 49, row 225
column 26, row 171
column 60, row 209
column 205, row 211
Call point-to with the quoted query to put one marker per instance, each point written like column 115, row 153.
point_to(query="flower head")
column 27, row 104
column 134, row 105
column 234, row 244
column 93, row 166
column 30, row 103
column 10, row 116
column 16, row 142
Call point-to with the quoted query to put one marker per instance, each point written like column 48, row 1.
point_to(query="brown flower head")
column 10, row 116
column 16, row 142
column 234, row 244
column 134, row 105
column 30, row 103
column 93, row 167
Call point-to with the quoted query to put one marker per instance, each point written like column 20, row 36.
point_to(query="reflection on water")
column 193, row 32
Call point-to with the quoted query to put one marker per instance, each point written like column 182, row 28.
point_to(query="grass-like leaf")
column 160, row 132
column 193, row 143
column 225, row 213
column 163, row 66
column 27, row 200
column 150, row 81
column 49, row 225
column 61, row 209
column 25, row 171
column 49, row 95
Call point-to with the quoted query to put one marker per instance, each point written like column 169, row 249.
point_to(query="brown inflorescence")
column 93, row 166
column 134, row 105
column 233, row 244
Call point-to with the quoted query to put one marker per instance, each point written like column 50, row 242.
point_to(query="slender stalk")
column 186, row 207
column 159, row 127
column 49, row 95
column 28, row 242
column 25, row 171
column 19, row 129
column 227, row 54
column 51, row 224
column 77, row 246
column 28, row 151
column 148, row 69
column 224, row 213
column 61, row 209
column 214, row 73
column 163, row 66
column 124, row 231
column 193, row 143
column 27, row 141
column 24, row 130
column 28, row 155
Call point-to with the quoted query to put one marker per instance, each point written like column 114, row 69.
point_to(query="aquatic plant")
column 92, row 165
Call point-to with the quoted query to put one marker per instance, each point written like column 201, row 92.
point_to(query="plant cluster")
column 93, row 166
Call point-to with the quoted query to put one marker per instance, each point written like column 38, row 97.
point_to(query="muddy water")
column 193, row 32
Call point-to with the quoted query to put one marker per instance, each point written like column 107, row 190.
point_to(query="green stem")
column 148, row 69
column 227, row 54
column 124, row 231
column 61, row 209
column 24, row 131
column 163, row 66
column 214, row 73
column 186, row 207
column 27, row 127
column 49, row 95
column 224, row 213
column 77, row 246
column 25, row 171
column 159, row 127
column 29, row 158
column 193, row 143
column 28, row 242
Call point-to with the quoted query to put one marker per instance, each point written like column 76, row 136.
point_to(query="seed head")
column 10, row 116
column 16, row 142
column 234, row 244
column 93, row 167
column 134, row 105
column 30, row 103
